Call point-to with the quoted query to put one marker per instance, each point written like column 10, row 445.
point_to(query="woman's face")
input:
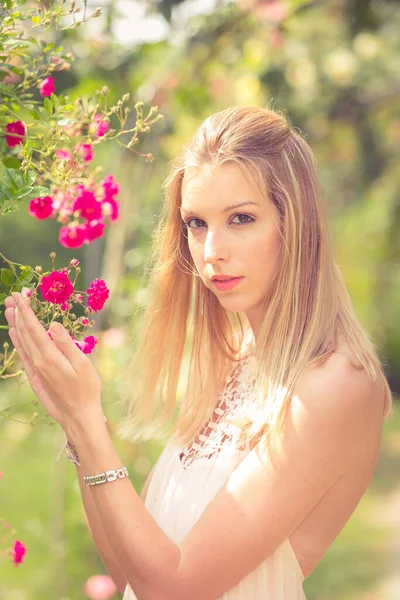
column 239, row 242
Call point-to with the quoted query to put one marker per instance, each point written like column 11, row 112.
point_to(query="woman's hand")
column 36, row 383
column 68, row 383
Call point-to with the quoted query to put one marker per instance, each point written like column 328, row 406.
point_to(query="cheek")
column 264, row 251
column 196, row 252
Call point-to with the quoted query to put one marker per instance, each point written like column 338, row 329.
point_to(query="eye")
column 238, row 215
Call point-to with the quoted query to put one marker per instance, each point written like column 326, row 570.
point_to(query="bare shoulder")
column 345, row 396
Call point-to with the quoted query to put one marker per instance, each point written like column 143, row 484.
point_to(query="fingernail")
column 56, row 328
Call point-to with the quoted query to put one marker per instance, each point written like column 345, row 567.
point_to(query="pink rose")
column 41, row 208
column 15, row 127
column 47, row 87
column 88, row 207
column 94, row 230
column 65, row 155
column 87, row 345
column 110, row 208
column 98, row 293
column 110, row 187
column 72, row 237
column 18, row 552
column 56, row 287
column 100, row 127
column 86, row 151
column 100, row 587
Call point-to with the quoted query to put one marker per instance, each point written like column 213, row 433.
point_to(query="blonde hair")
column 307, row 306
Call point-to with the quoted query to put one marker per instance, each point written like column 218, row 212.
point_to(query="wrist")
column 70, row 448
column 84, row 423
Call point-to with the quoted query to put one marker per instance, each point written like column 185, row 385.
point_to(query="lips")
column 227, row 279
column 227, row 284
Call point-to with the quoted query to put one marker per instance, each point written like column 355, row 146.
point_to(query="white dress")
column 186, row 479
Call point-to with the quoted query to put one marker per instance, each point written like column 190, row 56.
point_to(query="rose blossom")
column 86, row 204
column 87, row 344
column 41, row 208
column 18, row 128
column 94, row 230
column 98, row 293
column 66, row 156
column 101, row 127
column 110, row 208
column 86, row 151
column 56, row 287
column 110, row 187
column 47, row 87
column 72, row 237
column 18, row 552
column 100, row 587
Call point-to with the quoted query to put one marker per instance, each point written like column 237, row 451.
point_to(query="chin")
column 234, row 304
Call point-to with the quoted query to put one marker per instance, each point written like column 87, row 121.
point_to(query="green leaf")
column 11, row 162
column 10, row 209
column 35, row 115
column 30, row 177
column 13, row 179
column 38, row 191
column 17, row 71
column 5, row 193
column 55, row 100
column 2, row 298
column 48, row 105
column 7, row 277
column 26, row 275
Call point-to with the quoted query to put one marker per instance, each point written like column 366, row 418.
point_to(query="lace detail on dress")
column 218, row 432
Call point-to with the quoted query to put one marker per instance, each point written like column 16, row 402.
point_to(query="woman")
column 279, row 430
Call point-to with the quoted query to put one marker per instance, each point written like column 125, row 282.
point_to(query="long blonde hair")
column 307, row 306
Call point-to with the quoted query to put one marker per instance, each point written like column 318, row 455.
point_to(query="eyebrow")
column 226, row 209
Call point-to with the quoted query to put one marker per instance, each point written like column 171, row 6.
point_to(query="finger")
column 35, row 339
column 67, row 346
column 34, row 379
column 9, row 302
column 19, row 341
column 26, row 363
column 9, row 314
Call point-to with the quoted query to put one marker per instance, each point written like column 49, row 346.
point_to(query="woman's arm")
column 99, row 535
column 97, row 530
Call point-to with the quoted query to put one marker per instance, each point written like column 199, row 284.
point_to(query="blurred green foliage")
column 333, row 67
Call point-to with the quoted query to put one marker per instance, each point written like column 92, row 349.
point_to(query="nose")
column 215, row 247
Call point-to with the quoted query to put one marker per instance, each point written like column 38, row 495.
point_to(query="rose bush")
column 47, row 145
